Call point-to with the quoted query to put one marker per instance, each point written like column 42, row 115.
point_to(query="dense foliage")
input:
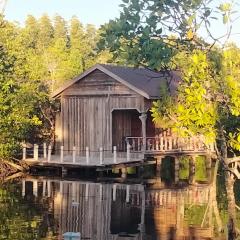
column 164, row 34
column 35, row 60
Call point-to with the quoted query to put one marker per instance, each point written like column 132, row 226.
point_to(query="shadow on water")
column 43, row 208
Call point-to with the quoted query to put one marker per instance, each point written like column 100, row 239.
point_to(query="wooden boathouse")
column 108, row 105
column 105, row 119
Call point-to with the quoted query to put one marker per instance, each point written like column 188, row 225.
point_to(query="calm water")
column 45, row 209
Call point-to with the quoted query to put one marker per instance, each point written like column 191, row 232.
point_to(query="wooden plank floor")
column 94, row 161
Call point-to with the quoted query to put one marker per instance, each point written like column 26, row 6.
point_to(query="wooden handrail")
column 169, row 143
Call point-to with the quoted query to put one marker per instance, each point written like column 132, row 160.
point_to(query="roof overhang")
column 59, row 91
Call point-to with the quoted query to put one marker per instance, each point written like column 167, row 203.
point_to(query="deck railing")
column 134, row 150
column 76, row 155
column 158, row 144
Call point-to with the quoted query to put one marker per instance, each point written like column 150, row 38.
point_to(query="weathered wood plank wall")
column 86, row 111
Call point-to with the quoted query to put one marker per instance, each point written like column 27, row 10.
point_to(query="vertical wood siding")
column 86, row 111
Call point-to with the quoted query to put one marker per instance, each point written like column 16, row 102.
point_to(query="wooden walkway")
column 96, row 159
column 134, row 156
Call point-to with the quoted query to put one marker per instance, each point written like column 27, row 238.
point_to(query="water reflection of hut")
column 117, row 211
column 122, row 211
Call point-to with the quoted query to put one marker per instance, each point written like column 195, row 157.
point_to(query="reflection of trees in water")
column 21, row 219
column 227, row 190
column 112, row 211
column 221, row 193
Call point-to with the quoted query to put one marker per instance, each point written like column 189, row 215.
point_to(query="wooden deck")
column 98, row 160
column 135, row 154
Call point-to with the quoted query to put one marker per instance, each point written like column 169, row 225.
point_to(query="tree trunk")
column 229, row 180
column 229, row 183
column 213, row 195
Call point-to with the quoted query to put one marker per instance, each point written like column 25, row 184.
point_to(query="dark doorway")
column 125, row 123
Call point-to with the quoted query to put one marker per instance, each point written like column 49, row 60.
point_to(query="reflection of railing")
column 169, row 144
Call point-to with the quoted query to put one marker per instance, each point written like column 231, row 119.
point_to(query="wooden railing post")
column 143, row 119
column 133, row 144
column 44, row 150
column 175, row 145
column 115, row 154
column 161, row 144
column 61, row 187
column 127, row 193
column 212, row 148
column 180, row 144
column 114, row 192
column 139, row 144
column 194, row 143
column 128, row 152
column 35, row 188
column 148, row 144
column 44, row 188
column 61, row 153
column 35, row 152
column 87, row 155
column 101, row 155
column 170, row 143
column 157, row 144
column 49, row 152
column 74, row 154
column 48, row 188
column 23, row 188
column 24, row 152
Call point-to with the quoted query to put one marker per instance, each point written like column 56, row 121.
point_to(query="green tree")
column 207, row 104
column 60, row 28
column 46, row 32
column 35, row 59
column 151, row 32
column 164, row 34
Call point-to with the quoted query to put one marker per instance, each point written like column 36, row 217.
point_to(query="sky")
column 95, row 12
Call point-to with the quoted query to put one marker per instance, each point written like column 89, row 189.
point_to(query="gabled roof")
column 141, row 80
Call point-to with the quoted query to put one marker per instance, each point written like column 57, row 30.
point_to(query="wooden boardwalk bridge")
column 102, row 159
